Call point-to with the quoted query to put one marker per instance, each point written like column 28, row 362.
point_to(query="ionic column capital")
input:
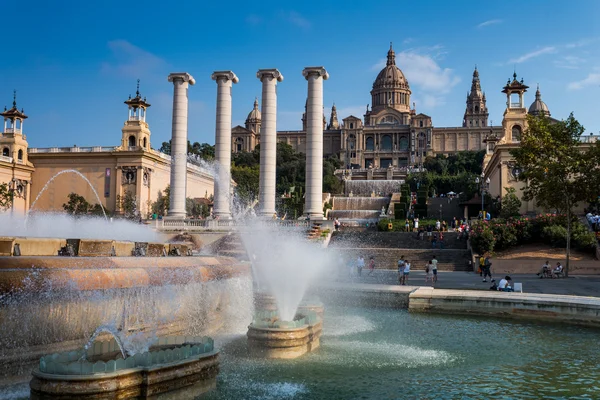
column 225, row 75
column 318, row 71
column 271, row 73
column 184, row 76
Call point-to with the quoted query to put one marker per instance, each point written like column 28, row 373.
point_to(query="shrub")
column 555, row 236
column 482, row 238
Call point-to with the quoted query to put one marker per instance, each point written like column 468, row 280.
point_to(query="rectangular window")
column 107, row 182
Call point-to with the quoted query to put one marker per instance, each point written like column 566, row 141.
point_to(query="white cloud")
column 131, row 61
column 424, row 71
column 408, row 40
column 253, row 19
column 489, row 22
column 569, row 62
column 536, row 53
column 581, row 43
column 296, row 19
column 590, row 80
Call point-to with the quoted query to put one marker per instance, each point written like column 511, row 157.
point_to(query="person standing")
column 401, row 263
column 371, row 266
column 438, row 225
column 429, row 272
column 416, row 224
column 434, row 263
column 336, row 224
column 405, row 272
column 360, row 264
column 487, row 268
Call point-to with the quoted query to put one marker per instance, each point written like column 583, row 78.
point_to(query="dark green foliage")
column 78, row 205
column 6, row 197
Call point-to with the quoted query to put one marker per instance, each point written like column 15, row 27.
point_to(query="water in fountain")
column 380, row 187
column 286, row 263
column 116, row 334
column 66, row 171
column 66, row 226
column 358, row 208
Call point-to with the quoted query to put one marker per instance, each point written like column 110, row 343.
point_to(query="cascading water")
column 57, row 175
column 358, row 208
column 285, row 263
column 116, row 334
column 368, row 187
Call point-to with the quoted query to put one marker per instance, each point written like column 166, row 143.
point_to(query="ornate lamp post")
column 484, row 185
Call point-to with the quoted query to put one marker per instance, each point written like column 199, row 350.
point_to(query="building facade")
column 112, row 171
column 391, row 132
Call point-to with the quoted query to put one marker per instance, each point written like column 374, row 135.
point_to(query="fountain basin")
column 99, row 273
column 268, row 338
column 267, row 302
column 174, row 363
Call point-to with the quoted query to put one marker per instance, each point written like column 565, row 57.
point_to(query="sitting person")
column 558, row 270
column 494, row 285
column 504, row 285
column 545, row 271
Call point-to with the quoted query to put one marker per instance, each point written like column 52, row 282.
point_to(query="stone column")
column 181, row 82
column 313, row 206
column 268, row 141
column 224, row 79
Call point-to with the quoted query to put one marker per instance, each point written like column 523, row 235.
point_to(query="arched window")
column 421, row 141
column 131, row 141
column 370, row 144
column 145, row 143
column 20, row 155
column 476, row 109
column 386, row 142
column 421, row 124
column 516, row 133
column 351, row 125
column 403, row 143
column 239, row 144
column 5, row 152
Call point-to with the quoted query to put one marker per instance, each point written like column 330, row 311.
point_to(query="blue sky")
column 75, row 63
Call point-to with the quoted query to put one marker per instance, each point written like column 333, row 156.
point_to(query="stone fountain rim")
column 300, row 328
column 104, row 375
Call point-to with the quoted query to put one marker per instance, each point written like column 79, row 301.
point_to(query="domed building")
column 391, row 133
column 538, row 107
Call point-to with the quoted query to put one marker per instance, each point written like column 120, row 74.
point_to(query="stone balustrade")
column 192, row 225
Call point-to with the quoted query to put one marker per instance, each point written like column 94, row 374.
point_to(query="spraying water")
column 116, row 334
column 285, row 263
column 57, row 175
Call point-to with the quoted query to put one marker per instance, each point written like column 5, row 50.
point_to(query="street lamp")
column 484, row 185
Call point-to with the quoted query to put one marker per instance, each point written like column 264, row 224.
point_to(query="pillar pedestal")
column 222, row 203
column 181, row 82
column 268, row 141
column 313, row 207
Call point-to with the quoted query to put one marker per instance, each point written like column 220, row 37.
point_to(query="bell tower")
column 13, row 142
column 136, row 134
column 476, row 113
column 514, row 121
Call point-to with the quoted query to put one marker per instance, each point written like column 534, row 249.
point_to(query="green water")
column 391, row 354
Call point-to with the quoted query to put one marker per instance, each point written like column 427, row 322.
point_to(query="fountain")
column 366, row 187
column 284, row 265
column 171, row 364
column 57, row 175
column 358, row 208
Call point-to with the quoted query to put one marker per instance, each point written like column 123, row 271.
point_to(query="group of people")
column 547, row 272
column 404, row 270
column 504, row 285
column 357, row 266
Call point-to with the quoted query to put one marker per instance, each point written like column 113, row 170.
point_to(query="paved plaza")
column 578, row 285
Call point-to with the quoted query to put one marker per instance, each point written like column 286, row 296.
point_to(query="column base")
column 175, row 215
column 315, row 217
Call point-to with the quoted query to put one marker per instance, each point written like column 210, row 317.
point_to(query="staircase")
column 230, row 245
column 388, row 247
column 315, row 231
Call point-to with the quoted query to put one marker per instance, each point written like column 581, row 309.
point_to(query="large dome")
column 538, row 107
column 390, row 76
column 391, row 89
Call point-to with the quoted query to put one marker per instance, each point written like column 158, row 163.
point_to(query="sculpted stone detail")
column 129, row 175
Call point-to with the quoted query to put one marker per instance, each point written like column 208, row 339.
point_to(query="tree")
column 128, row 204
column 204, row 150
column 161, row 205
column 77, row 205
column 6, row 197
column 557, row 169
column 247, row 180
column 511, row 204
